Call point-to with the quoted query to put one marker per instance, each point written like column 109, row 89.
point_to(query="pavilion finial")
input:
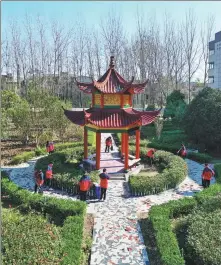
column 112, row 62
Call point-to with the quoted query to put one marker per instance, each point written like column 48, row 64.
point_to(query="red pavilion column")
column 126, row 146
column 122, row 143
column 137, row 144
column 98, row 149
column 85, row 144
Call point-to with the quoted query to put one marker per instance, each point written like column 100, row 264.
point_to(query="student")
column 39, row 180
column 182, row 151
column 47, row 147
column 207, row 174
column 104, row 183
column 49, row 175
column 150, row 155
column 108, row 144
column 51, row 148
column 84, row 186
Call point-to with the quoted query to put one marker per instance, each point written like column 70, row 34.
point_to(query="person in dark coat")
column 104, row 177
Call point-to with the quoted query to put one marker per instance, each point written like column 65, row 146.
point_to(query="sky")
column 92, row 11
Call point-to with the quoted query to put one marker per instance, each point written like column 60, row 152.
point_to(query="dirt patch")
column 87, row 239
column 12, row 148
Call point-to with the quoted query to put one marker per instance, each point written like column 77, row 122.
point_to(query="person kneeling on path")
column 207, row 174
column 104, row 183
column 84, row 186
column 49, row 175
column 39, row 180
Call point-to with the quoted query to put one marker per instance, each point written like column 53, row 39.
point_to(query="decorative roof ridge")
column 98, row 84
column 83, row 84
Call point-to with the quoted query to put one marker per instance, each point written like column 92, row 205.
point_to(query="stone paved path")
column 117, row 238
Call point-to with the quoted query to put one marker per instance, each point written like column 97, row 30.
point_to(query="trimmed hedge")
column 22, row 233
column 203, row 241
column 199, row 157
column 25, row 156
column 173, row 171
column 217, row 168
column 159, row 216
column 63, row 212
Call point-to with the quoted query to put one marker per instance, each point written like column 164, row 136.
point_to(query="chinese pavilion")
column 112, row 111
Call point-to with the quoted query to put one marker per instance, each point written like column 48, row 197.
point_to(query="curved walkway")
column 117, row 238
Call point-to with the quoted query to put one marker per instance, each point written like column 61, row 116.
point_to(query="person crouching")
column 84, row 186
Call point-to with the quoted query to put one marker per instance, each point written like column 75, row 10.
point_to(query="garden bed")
column 66, row 214
column 172, row 170
column 161, row 218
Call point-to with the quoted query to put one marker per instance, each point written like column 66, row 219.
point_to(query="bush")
column 159, row 216
column 23, row 157
column 217, row 168
column 59, row 210
column 173, row 171
column 202, row 121
column 173, row 148
column 22, row 233
column 68, row 213
column 199, row 157
column 203, row 243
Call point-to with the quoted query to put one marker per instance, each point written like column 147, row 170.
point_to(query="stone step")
column 117, row 176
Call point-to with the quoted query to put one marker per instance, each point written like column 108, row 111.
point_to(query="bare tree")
column 206, row 32
column 192, row 47
column 113, row 34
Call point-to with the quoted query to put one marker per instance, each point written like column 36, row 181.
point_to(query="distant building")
column 214, row 72
column 7, row 81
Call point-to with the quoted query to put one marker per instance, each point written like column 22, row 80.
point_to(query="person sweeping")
column 104, row 177
column 49, row 175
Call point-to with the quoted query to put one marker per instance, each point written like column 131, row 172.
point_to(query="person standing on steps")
column 84, row 186
column 39, row 180
column 104, row 177
column 108, row 144
column 207, row 174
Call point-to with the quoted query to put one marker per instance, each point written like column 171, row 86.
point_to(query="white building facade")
column 214, row 71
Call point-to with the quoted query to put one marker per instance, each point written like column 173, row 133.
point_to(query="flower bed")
column 160, row 216
column 173, row 170
column 65, row 213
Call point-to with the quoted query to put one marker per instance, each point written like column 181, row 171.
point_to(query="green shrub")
column 29, row 239
column 173, row 171
column 217, row 168
column 23, row 157
column 167, row 244
column 57, row 209
column 72, row 233
column 199, row 157
column 173, row 148
column 203, row 241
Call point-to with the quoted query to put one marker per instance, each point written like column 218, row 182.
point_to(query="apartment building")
column 214, row 71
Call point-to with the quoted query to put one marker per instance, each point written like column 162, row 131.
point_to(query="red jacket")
column 108, row 142
column 104, row 180
column 207, row 173
column 150, row 153
column 39, row 178
column 85, row 183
